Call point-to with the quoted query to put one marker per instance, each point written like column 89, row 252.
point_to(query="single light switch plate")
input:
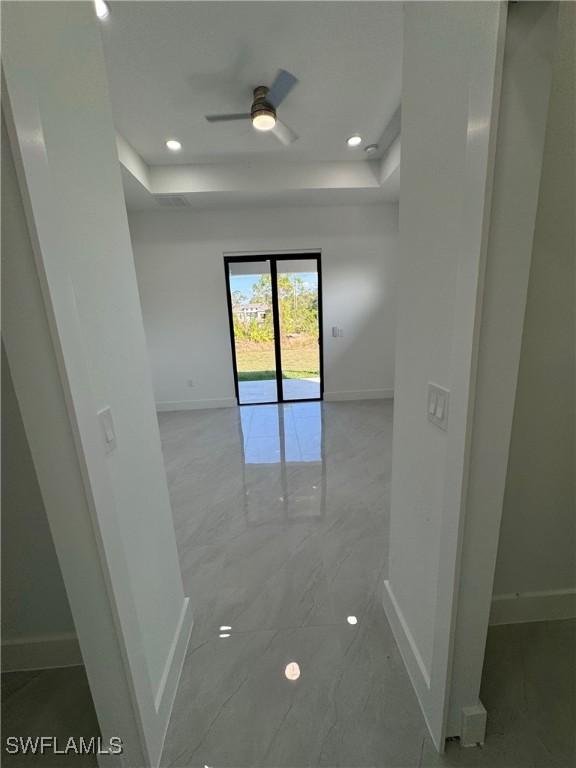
column 438, row 399
column 107, row 426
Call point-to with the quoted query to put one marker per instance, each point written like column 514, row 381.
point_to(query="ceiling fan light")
column 263, row 120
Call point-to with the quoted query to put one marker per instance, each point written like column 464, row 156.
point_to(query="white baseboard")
column 360, row 394
column 41, row 652
column 413, row 661
column 166, row 692
column 193, row 405
column 521, row 607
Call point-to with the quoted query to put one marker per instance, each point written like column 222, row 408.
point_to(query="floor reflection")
column 284, row 468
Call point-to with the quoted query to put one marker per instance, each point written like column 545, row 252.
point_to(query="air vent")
column 171, row 201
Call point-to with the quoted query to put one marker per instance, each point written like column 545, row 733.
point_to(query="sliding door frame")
column 274, row 258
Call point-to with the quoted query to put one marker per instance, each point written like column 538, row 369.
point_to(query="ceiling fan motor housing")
column 260, row 106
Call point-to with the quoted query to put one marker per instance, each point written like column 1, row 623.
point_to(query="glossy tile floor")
column 528, row 687
column 281, row 516
column 281, row 522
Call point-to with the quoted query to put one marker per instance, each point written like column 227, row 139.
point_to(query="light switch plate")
column 107, row 426
column 437, row 405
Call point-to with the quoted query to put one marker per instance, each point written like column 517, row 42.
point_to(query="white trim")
column 520, row 607
column 41, row 652
column 413, row 661
column 166, row 693
column 360, row 394
column 192, row 405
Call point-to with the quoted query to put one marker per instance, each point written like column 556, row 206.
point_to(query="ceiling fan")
column 263, row 111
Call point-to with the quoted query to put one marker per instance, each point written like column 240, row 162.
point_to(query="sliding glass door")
column 254, row 338
column 297, row 281
column 274, row 305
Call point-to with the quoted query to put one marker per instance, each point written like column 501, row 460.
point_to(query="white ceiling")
column 170, row 63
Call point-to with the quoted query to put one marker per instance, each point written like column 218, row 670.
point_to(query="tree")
column 238, row 298
column 298, row 306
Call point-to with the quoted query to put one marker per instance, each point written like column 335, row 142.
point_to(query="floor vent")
column 171, row 201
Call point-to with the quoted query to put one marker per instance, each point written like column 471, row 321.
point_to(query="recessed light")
column 371, row 148
column 174, row 145
column 102, row 10
column 354, row 141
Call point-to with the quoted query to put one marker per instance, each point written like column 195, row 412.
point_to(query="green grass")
column 266, row 375
column 256, row 361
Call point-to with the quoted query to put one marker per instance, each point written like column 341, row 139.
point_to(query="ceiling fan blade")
column 281, row 87
column 227, row 118
column 283, row 133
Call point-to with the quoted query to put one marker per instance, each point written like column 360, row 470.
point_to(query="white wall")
column 444, row 171
column 63, row 138
column 35, row 607
column 470, row 172
column 537, row 547
column 180, row 270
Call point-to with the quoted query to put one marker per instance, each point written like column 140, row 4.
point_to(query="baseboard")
column 360, row 394
column 521, row 607
column 193, row 405
column 166, row 692
column 417, row 671
column 43, row 652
